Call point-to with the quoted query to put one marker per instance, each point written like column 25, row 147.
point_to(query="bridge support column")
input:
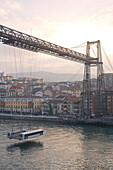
column 86, row 100
column 87, row 91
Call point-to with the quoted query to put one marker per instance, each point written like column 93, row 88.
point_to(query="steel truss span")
column 24, row 41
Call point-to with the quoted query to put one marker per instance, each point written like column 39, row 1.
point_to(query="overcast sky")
column 65, row 22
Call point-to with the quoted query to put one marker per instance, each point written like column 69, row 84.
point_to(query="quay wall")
column 100, row 121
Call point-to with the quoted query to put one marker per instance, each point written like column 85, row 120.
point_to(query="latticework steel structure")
column 87, row 91
column 24, row 41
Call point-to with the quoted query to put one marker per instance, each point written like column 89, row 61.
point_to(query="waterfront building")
column 99, row 104
column 46, row 108
column 57, row 101
column 76, row 108
column 21, row 104
column 109, row 102
column 67, row 106
column 108, row 78
column 71, row 106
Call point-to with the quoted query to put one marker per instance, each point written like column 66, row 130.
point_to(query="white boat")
column 24, row 134
column 31, row 134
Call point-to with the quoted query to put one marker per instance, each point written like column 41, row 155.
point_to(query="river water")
column 62, row 147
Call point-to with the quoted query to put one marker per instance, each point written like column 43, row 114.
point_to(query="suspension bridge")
column 11, row 37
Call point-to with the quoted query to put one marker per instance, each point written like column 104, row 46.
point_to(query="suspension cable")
column 79, row 46
column 107, row 59
column 108, row 68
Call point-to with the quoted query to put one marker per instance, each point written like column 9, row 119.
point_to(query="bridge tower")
column 87, row 90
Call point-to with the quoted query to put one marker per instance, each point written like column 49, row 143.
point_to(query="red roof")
column 16, row 87
column 72, row 98
column 2, row 90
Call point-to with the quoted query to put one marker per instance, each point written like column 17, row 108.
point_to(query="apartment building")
column 21, row 104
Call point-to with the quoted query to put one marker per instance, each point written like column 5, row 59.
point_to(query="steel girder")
column 21, row 40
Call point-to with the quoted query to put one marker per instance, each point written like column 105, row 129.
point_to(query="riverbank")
column 67, row 120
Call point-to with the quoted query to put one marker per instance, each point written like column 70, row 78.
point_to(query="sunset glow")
column 66, row 23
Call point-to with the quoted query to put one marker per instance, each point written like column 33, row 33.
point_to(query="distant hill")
column 49, row 76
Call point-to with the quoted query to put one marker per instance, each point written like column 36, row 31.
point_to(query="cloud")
column 36, row 26
column 2, row 12
column 103, row 16
column 12, row 4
